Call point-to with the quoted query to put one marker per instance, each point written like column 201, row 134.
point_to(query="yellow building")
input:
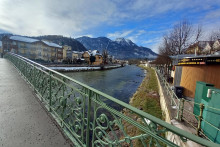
column 66, row 50
column 98, row 57
column 33, row 48
column 76, row 54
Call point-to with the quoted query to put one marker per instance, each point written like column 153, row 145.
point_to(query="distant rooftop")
column 181, row 56
column 95, row 52
column 217, row 54
column 23, row 39
column 77, row 52
column 31, row 40
column 52, row 44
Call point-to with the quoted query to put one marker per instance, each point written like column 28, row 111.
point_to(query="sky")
column 142, row 21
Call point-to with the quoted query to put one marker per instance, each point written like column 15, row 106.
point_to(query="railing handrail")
column 184, row 109
column 168, row 126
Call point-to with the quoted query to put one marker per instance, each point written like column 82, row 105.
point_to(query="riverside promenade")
column 23, row 120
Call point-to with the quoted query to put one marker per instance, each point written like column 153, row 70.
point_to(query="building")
column 98, row 57
column 192, row 69
column 208, row 48
column 1, row 50
column 204, row 47
column 33, row 48
column 216, row 45
column 67, row 52
column 55, row 50
column 76, row 55
column 86, row 56
column 197, row 47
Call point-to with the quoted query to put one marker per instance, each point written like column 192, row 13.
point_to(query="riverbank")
column 146, row 99
column 147, row 96
column 84, row 68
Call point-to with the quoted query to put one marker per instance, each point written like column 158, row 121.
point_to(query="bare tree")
column 181, row 37
column 199, row 33
column 176, row 41
column 215, row 35
column 105, row 56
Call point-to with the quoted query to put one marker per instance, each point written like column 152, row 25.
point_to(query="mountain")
column 125, row 42
column 121, row 48
column 76, row 45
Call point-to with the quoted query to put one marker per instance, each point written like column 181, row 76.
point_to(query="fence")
column 180, row 103
column 82, row 112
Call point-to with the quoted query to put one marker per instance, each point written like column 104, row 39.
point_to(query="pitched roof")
column 181, row 56
column 77, row 52
column 93, row 53
column 31, row 40
column 52, row 44
column 23, row 39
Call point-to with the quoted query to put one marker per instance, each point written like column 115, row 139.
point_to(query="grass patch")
column 147, row 99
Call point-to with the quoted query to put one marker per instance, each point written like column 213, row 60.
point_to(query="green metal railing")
column 179, row 103
column 86, row 118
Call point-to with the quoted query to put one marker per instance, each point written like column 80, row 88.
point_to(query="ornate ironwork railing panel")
column 86, row 118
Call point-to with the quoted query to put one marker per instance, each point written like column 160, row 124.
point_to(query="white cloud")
column 153, row 43
column 135, row 35
column 140, row 32
column 77, row 17
column 53, row 16
column 155, row 47
column 87, row 35
column 148, row 41
column 129, row 34
column 119, row 34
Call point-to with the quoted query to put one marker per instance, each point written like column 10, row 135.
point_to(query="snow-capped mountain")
column 125, row 42
column 121, row 48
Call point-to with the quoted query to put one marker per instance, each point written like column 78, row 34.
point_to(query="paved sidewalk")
column 23, row 121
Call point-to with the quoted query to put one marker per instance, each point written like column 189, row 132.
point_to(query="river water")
column 120, row 83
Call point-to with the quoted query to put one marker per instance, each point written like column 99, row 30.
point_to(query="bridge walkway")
column 23, row 120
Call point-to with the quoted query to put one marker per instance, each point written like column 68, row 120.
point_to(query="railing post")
column 50, row 92
column 200, row 119
column 63, row 94
column 94, row 119
column 171, row 103
column 25, row 71
column 180, row 109
column 34, row 84
column 88, row 119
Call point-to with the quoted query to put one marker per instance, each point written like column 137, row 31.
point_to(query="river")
column 120, row 83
